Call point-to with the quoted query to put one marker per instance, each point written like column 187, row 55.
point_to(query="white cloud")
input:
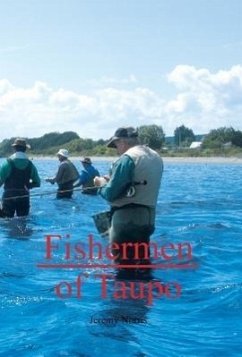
column 5, row 86
column 206, row 100
column 202, row 101
column 221, row 90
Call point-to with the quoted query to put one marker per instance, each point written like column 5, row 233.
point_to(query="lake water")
column 200, row 204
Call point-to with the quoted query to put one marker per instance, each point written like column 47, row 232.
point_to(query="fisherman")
column 66, row 175
column 86, row 177
column 132, row 192
column 19, row 175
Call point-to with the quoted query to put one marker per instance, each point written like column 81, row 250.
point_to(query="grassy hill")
column 46, row 144
column 50, row 143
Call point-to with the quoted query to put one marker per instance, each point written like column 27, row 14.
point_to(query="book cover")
column 72, row 73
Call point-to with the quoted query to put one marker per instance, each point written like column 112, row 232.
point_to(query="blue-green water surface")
column 198, row 203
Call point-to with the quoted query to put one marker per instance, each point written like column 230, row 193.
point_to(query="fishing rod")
column 46, row 193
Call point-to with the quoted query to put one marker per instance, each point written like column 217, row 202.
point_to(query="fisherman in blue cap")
column 86, row 177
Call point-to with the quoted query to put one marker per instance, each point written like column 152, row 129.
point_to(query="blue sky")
column 94, row 65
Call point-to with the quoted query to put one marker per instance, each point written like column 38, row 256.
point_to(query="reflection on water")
column 17, row 228
column 143, row 274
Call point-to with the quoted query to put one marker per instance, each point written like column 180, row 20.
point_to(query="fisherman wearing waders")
column 86, row 177
column 19, row 175
column 132, row 192
column 66, row 175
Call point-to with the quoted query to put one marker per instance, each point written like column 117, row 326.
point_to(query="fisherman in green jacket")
column 18, row 175
column 132, row 192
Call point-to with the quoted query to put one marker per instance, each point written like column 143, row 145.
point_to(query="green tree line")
column 151, row 135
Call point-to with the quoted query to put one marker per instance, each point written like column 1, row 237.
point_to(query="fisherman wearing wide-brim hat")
column 66, row 175
column 132, row 192
column 86, row 177
column 19, row 175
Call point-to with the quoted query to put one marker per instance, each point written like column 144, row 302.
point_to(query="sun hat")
column 86, row 160
column 21, row 142
column 128, row 132
column 63, row 152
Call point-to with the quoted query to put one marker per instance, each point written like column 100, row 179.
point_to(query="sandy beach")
column 175, row 160
column 203, row 160
column 189, row 160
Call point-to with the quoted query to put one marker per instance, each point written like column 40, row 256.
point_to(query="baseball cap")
column 124, row 132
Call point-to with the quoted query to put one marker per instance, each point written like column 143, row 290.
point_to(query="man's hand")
column 100, row 181
column 51, row 180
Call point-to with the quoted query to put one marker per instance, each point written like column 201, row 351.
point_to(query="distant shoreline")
column 204, row 160
column 175, row 160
